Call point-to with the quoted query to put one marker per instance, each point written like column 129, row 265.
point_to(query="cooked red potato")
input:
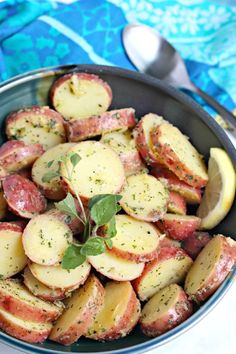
column 99, row 170
column 23, row 197
column 49, row 163
column 210, row 268
column 171, row 266
column 36, row 125
column 12, row 255
column 168, row 242
column 75, row 225
column 17, row 300
column 80, row 95
column 118, row 119
column 117, row 315
column 45, row 239
column 21, row 223
column 40, row 290
column 144, row 197
column 124, row 146
column 3, row 206
column 165, row 310
column 16, row 155
column 195, row 243
column 176, row 204
column 142, row 137
column 179, row 155
column 192, row 195
column 55, row 277
column 135, row 240
column 178, row 227
column 80, row 312
column 114, row 267
column 28, row 331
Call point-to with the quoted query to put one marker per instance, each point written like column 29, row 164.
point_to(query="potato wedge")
column 17, row 300
column 99, row 171
column 45, row 239
column 116, row 317
column 40, row 290
column 48, row 163
column 23, row 197
column 3, row 206
column 210, row 268
column 176, row 204
column 114, row 267
column 179, row 155
column 165, row 310
column 171, row 266
column 36, row 125
column 144, row 197
column 195, row 243
column 12, row 255
column 80, row 312
column 55, row 277
column 80, row 95
column 124, row 146
column 28, row 331
column 16, row 155
column 178, row 227
column 118, row 119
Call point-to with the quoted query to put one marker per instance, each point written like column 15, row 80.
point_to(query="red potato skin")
column 23, row 197
column 195, row 243
column 173, row 163
column 21, row 223
column 16, row 155
column 81, row 129
column 176, row 204
column 168, row 242
column 132, row 162
column 75, row 224
column 135, row 257
column 178, row 229
column 21, row 333
column 176, row 185
column 182, row 310
column 10, row 226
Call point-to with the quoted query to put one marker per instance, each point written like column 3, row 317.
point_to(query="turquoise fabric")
column 36, row 34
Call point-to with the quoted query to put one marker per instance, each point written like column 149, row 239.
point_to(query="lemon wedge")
column 220, row 190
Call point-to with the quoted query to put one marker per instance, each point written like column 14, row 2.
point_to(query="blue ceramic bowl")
column 145, row 94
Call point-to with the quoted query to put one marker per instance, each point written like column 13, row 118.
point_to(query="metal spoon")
column 154, row 55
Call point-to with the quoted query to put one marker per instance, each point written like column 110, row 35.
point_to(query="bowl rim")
column 217, row 130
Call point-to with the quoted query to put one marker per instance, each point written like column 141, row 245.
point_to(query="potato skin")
column 176, row 204
column 3, row 205
column 195, row 243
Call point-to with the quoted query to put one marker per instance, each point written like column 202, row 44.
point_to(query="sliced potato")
column 179, row 155
column 165, row 310
column 144, row 197
column 36, row 125
column 55, row 277
column 176, row 204
column 211, row 267
column 117, row 315
column 3, row 206
column 28, row 331
column 12, row 255
column 45, row 239
column 80, row 312
column 17, row 300
column 195, row 243
column 75, row 225
column 49, row 163
column 99, row 171
column 171, row 266
column 80, row 95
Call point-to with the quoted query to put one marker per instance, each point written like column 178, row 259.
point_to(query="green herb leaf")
column 109, row 243
column 49, row 164
column 98, row 197
column 111, row 228
column 72, row 257
column 67, row 205
column 93, row 246
column 104, row 209
column 75, row 158
column 50, row 175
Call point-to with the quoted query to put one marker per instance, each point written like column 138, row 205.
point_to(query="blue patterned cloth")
column 36, row 34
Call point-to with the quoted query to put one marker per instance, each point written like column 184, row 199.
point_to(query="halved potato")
column 45, row 239
column 17, row 300
column 117, row 315
column 210, row 268
column 179, row 155
column 80, row 95
column 144, row 197
column 165, row 310
column 12, row 255
column 176, row 204
column 171, row 266
column 55, row 277
column 99, row 170
column 36, row 125
column 80, row 312
column 3, row 206
column 28, row 331
column 195, row 243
